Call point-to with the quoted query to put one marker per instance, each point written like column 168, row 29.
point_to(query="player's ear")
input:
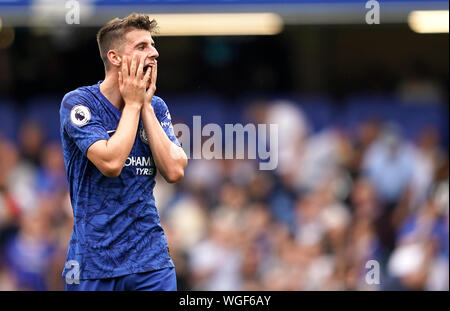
column 114, row 58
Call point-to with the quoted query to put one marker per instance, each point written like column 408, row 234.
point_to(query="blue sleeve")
column 163, row 115
column 82, row 123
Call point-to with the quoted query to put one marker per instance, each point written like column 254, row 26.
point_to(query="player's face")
column 140, row 42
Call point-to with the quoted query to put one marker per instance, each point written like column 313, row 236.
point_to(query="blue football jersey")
column 117, row 229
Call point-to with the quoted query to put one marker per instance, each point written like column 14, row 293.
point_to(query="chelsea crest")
column 143, row 135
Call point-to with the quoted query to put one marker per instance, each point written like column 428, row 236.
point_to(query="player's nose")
column 154, row 53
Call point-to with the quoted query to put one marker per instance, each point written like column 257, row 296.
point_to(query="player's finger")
column 120, row 78
column 124, row 67
column 154, row 72
column 140, row 70
column 133, row 66
column 147, row 75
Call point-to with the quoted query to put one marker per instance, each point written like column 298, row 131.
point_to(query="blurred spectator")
column 318, row 161
column 27, row 255
column 389, row 165
column 216, row 262
column 31, row 140
column 51, row 176
column 428, row 156
column 366, row 133
column 293, row 128
column 420, row 260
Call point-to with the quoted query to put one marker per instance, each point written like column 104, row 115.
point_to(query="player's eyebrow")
column 144, row 43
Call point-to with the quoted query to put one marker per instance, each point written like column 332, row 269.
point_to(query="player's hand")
column 152, row 88
column 133, row 82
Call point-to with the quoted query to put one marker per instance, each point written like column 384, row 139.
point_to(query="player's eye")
column 141, row 46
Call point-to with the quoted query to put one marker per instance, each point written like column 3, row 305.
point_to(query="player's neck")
column 110, row 89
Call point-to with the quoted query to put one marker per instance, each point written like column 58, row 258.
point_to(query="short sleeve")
column 81, row 123
column 164, row 118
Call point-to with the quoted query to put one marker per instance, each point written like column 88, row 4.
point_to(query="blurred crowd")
column 336, row 201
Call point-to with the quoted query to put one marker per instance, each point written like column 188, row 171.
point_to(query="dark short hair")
column 116, row 28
